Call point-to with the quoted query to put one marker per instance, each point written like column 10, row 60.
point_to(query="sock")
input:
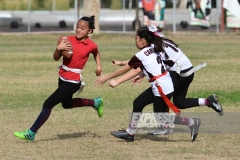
column 42, row 118
column 190, row 122
column 80, row 102
column 203, row 102
column 131, row 131
column 133, row 122
column 183, row 121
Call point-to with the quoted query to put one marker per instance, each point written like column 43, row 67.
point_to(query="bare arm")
column 119, row 63
column 131, row 74
column 97, row 59
column 114, row 74
column 138, row 79
column 57, row 54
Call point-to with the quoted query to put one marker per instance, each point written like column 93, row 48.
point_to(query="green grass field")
column 28, row 76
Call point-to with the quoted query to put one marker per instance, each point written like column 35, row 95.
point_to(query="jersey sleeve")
column 94, row 49
column 135, row 62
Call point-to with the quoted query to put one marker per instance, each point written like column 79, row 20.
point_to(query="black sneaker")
column 123, row 135
column 194, row 128
column 214, row 103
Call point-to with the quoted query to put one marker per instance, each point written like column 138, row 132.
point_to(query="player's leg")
column 139, row 103
column 192, row 123
column 181, row 85
column 160, row 107
column 64, row 90
column 69, row 102
column 180, row 91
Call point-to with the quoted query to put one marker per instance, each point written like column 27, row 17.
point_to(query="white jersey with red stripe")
column 176, row 55
column 152, row 65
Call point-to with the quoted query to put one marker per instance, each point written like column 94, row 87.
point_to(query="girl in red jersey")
column 70, row 77
column 148, row 62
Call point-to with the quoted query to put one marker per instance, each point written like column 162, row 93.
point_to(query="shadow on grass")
column 157, row 138
column 162, row 138
column 77, row 135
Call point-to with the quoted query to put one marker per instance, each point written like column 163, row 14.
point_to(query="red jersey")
column 148, row 5
column 81, row 52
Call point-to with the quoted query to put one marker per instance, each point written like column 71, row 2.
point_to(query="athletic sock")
column 203, row 102
column 131, row 131
column 190, row 122
column 42, row 118
column 80, row 102
column 183, row 121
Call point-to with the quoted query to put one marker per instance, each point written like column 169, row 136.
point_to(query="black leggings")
column 181, row 85
column 147, row 97
column 62, row 94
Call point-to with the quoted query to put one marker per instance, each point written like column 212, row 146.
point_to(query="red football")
column 65, row 53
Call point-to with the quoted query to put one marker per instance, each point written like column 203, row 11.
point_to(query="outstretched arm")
column 119, row 63
column 138, row 79
column 101, row 80
column 131, row 74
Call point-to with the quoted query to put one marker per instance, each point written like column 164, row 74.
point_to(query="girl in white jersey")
column 148, row 61
column 182, row 73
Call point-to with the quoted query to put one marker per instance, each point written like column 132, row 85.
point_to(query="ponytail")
column 158, row 45
column 153, row 36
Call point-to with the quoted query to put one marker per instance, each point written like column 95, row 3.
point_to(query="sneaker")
column 213, row 99
column 194, row 128
column 26, row 135
column 98, row 103
column 161, row 131
column 123, row 135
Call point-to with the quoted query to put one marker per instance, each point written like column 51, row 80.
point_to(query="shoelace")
column 122, row 130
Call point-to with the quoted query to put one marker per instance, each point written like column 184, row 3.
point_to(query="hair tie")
column 155, row 31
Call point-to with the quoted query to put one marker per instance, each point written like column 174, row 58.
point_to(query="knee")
column 47, row 105
column 66, row 105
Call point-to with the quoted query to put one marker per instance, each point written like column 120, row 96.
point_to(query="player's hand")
column 113, row 83
column 64, row 45
column 98, row 71
column 100, row 81
column 137, row 80
column 156, row 83
column 115, row 62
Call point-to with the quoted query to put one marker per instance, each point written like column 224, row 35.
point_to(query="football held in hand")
column 66, row 53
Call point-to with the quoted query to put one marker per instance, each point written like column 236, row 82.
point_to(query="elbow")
column 56, row 58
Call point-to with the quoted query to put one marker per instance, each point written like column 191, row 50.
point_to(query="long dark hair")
column 170, row 41
column 90, row 21
column 143, row 32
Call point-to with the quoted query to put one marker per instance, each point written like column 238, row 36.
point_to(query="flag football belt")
column 191, row 70
column 75, row 71
column 165, row 98
column 71, row 69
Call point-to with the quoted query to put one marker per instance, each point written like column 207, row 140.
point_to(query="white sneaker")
column 161, row 131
